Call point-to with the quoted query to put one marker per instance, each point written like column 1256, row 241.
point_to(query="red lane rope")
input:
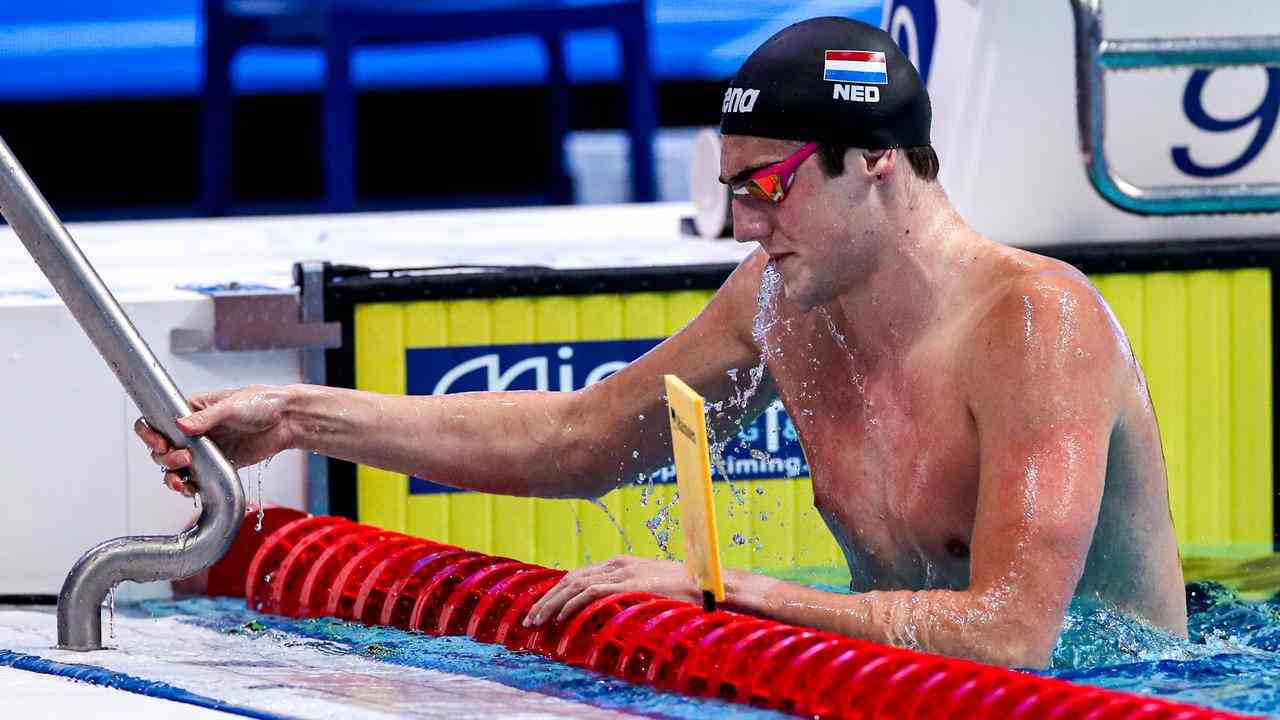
column 310, row 566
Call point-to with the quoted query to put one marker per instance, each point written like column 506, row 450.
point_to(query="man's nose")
column 750, row 224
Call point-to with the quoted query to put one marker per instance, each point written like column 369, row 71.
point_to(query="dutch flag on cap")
column 856, row 66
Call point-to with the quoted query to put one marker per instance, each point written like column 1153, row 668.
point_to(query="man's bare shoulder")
column 1039, row 315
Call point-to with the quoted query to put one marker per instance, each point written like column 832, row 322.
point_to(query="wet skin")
column 896, row 454
column 980, row 437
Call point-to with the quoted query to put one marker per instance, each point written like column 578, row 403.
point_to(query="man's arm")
column 550, row 444
column 1042, row 386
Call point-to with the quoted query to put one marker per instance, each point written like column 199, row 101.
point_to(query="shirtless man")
column 980, row 436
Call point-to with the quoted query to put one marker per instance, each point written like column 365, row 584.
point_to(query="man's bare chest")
column 893, row 454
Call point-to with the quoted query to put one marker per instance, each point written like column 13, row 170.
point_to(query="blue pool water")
column 1232, row 660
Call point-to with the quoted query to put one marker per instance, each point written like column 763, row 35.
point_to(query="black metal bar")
column 1167, row 255
column 340, row 370
column 432, row 284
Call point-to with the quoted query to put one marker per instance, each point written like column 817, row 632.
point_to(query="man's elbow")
column 1026, row 644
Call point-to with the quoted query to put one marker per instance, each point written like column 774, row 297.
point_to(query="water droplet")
column 111, row 612
column 616, row 525
column 262, row 512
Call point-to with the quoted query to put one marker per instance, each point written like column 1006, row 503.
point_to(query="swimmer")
column 981, row 438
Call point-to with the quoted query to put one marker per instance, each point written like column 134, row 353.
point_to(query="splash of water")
column 763, row 325
column 622, row 532
column 767, row 308
column 765, row 320
column 262, row 511
column 660, row 525
column 732, row 407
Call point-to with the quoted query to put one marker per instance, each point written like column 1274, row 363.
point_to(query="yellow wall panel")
column 1250, row 427
column 428, row 516
column 1167, row 371
column 773, row 523
column 733, row 523
column 379, row 339
column 814, row 543
column 1208, row 412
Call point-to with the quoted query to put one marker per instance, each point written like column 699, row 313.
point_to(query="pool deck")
column 267, row 673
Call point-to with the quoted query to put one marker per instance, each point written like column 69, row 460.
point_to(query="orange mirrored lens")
column 768, row 187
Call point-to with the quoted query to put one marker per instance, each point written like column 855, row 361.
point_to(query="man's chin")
column 803, row 295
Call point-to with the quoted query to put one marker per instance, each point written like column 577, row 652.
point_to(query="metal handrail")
column 1095, row 55
column 140, row 559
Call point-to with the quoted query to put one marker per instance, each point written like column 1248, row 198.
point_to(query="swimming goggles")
column 772, row 183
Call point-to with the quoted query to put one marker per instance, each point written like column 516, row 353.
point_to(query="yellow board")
column 693, row 477
column 1203, row 340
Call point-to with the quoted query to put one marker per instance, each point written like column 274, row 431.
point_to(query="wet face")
column 819, row 236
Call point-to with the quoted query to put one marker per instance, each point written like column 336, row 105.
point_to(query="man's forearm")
column 956, row 623
column 510, row 443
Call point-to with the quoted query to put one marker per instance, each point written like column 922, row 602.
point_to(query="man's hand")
column 621, row 574
column 246, row 424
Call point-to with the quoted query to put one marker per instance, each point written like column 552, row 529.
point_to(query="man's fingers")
column 584, row 598
column 570, row 586
column 550, row 603
column 152, row 439
column 204, row 400
column 174, row 460
column 177, row 483
column 201, row 422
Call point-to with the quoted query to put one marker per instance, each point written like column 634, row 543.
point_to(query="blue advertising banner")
column 768, row 448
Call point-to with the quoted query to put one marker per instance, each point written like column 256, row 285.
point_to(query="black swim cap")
column 829, row 79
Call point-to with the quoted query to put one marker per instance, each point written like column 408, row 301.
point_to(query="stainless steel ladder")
column 1095, row 55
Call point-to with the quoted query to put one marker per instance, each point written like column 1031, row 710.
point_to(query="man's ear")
column 880, row 163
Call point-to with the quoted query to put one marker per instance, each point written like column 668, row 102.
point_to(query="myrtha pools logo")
column 767, row 448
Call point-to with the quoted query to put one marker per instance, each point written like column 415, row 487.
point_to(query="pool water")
column 1231, row 661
